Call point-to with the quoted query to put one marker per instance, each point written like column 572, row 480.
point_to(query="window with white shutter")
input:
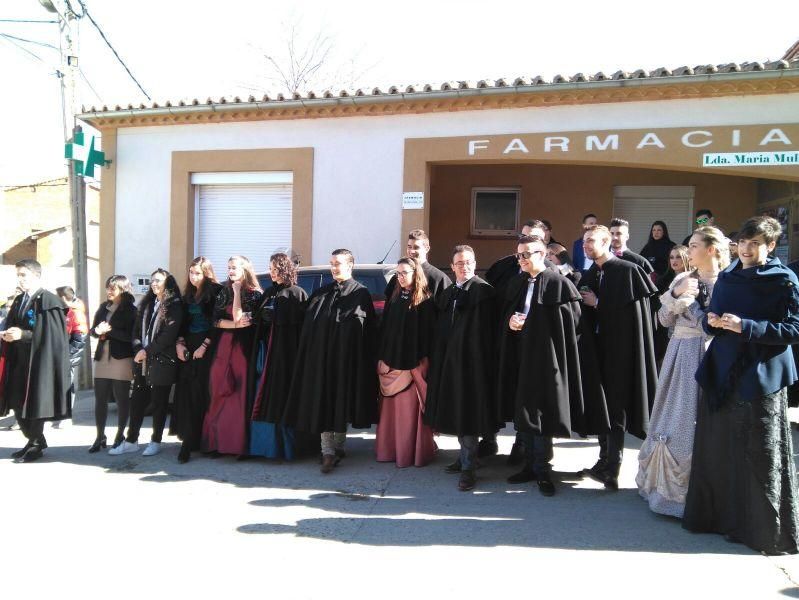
column 643, row 205
column 242, row 216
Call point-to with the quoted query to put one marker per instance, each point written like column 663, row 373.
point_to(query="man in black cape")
column 418, row 247
column 335, row 376
column 617, row 296
column 34, row 368
column 460, row 385
column 539, row 385
column 619, row 236
column 500, row 275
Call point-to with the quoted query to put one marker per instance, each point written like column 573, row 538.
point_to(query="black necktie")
column 23, row 303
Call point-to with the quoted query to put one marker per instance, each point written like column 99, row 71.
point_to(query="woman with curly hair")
column 405, row 340
column 278, row 322
column 194, row 350
column 155, row 332
column 225, row 425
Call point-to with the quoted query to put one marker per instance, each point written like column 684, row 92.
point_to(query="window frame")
column 494, row 233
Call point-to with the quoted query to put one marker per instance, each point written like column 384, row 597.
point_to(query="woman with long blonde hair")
column 665, row 457
column 225, row 425
column 405, row 339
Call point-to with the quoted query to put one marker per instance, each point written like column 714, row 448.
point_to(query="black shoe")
column 467, row 480
column 600, row 466
column 340, row 455
column 609, row 479
column 523, row 476
column 98, row 444
column 184, row 455
column 120, row 437
column 545, row 486
column 35, row 453
column 454, row 467
column 21, row 452
column 516, row 456
column 486, row 448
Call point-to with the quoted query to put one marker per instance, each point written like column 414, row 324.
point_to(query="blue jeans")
column 537, row 452
column 468, row 452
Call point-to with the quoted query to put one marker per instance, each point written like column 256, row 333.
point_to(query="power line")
column 25, row 21
column 19, row 39
column 24, row 49
column 105, row 39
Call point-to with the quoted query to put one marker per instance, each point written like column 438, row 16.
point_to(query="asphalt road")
column 79, row 525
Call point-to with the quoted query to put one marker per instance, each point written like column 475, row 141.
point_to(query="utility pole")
column 68, row 44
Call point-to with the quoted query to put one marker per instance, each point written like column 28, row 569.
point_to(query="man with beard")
column 617, row 295
column 334, row 381
column 620, row 235
column 418, row 247
column 461, row 378
column 34, row 363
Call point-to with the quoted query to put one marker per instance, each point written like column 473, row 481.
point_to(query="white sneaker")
column 124, row 448
column 152, row 449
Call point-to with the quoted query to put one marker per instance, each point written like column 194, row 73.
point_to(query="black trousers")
column 159, row 396
column 611, row 447
column 104, row 391
column 32, row 429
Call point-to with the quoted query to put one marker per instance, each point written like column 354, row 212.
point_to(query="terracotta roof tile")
column 455, row 86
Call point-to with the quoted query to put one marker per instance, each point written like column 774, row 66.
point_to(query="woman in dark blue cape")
column 743, row 480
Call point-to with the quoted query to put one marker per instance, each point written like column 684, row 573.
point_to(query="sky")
column 202, row 48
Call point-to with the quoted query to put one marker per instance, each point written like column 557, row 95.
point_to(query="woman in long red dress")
column 225, row 425
column 405, row 337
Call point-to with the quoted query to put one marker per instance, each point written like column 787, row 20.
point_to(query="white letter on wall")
column 775, row 135
column 477, row 145
column 516, row 145
column 686, row 139
column 650, row 139
column 556, row 142
column 593, row 141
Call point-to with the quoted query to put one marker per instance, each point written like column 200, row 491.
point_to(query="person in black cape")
column 743, row 479
column 155, row 335
column 418, row 247
column 278, row 323
column 539, row 385
column 334, row 382
column 406, row 333
column 657, row 248
column 620, row 235
column 194, row 350
column 34, row 363
column 499, row 275
column 617, row 295
column 460, row 388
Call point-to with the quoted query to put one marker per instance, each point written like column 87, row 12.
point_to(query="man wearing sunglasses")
column 703, row 217
column 539, row 385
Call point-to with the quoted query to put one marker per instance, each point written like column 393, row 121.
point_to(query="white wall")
column 358, row 162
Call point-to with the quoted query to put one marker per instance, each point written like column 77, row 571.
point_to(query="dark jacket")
column 162, row 360
column 758, row 361
column 121, row 334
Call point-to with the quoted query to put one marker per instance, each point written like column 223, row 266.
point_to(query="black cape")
column 656, row 252
column 622, row 325
column 406, row 333
column 505, row 270
column 35, row 378
column 460, row 388
column 278, row 323
column 539, row 384
column 335, row 377
column 437, row 282
column 637, row 259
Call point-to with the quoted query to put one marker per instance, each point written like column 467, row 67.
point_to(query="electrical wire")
column 105, row 39
column 25, row 21
column 19, row 39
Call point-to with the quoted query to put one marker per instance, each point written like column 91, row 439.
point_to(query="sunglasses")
column 527, row 255
column 702, row 220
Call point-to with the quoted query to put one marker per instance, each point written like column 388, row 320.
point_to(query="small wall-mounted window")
column 495, row 211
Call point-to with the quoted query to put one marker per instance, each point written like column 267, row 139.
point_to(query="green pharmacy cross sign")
column 84, row 159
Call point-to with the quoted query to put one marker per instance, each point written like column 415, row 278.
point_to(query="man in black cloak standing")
column 617, row 295
column 460, row 386
column 335, row 378
column 539, row 384
column 418, row 247
column 34, row 368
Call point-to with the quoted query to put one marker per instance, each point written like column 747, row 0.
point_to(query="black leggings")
column 159, row 396
column 104, row 390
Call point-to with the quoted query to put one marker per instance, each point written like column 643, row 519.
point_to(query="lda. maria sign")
column 773, row 148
